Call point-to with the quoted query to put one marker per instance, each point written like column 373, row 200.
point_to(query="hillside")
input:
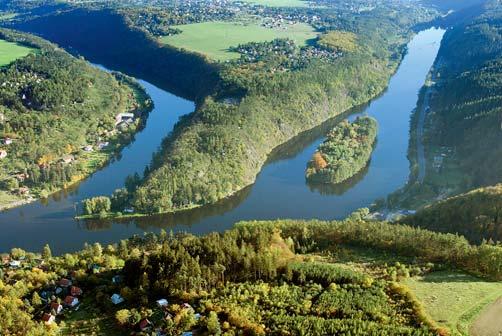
column 475, row 214
column 58, row 118
column 462, row 135
column 261, row 278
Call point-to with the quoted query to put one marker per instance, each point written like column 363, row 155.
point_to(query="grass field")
column 454, row 300
column 214, row 38
column 9, row 52
column 280, row 3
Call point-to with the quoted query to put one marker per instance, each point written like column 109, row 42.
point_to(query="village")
column 55, row 303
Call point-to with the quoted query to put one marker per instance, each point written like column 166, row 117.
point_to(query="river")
column 280, row 190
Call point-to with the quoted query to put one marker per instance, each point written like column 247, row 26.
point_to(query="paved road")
column 489, row 322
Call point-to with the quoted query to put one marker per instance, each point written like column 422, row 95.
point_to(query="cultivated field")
column 214, row 38
column 9, row 52
column 454, row 300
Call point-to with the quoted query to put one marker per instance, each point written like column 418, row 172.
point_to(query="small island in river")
column 346, row 150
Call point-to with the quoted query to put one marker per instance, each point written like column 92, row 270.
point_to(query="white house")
column 117, row 299
column 58, row 308
column 3, row 154
column 15, row 264
column 162, row 303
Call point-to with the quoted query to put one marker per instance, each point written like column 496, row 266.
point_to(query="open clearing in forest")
column 9, row 52
column 454, row 299
column 214, row 38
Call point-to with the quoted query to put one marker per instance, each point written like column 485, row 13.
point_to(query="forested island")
column 346, row 277
column 346, row 150
column 61, row 119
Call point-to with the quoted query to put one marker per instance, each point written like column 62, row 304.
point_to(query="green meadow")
column 9, row 52
column 214, row 38
column 454, row 300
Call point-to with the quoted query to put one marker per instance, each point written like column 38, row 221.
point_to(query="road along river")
column 280, row 190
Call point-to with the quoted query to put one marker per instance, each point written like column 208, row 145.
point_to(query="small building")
column 56, row 308
column 65, row 283
column 144, row 324
column 124, row 118
column 67, row 158
column 117, row 279
column 22, row 191
column 15, row 264
column 75, row 291
column 117, row 299
column 102, row 145
column 162, row 303
column 59, row 290
column 88, row 148
column 3, row 154
column 71, row 301
column 48, row 319
column 7, row 141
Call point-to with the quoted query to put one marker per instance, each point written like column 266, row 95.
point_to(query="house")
column 56, row 307
column 65, row 283
column 162, row 303
column 3, row 154
column 48, row 319
column 71, row 301
column 102, row 145
column 7, row 141
column 75, row 291
column 23, row 191
column 117, row 299
column 187, row 306
column 117, row 279
column 59, row 290
column 187, row 333
column 88, row 148
column 67, row 158
column 144, row 324
column 15, row 264
column 124, row 118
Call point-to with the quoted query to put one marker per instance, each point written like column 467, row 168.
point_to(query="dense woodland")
column 52, row 106
column 258, row 278
column 346, row 150
column 477, row 215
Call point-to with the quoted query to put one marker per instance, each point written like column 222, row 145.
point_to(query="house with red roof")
column 71, row 301
column 48, row 319
column 75, row 291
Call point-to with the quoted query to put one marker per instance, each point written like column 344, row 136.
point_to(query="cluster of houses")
column 5, row 141
column 58, row 298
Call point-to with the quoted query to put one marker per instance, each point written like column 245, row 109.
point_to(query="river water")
column 280, row 190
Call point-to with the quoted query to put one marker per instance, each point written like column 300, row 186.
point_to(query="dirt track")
column 489, row 322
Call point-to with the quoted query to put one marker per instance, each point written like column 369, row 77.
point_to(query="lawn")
column 9, row 52
column 214, row 38
column 280, row 3
column 453, row 299
column 6, row 199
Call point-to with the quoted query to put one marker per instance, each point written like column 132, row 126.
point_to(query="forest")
column 257, row 278
column 244, row 110
column 57, row 110
column 346, row 150
column 475, row 215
